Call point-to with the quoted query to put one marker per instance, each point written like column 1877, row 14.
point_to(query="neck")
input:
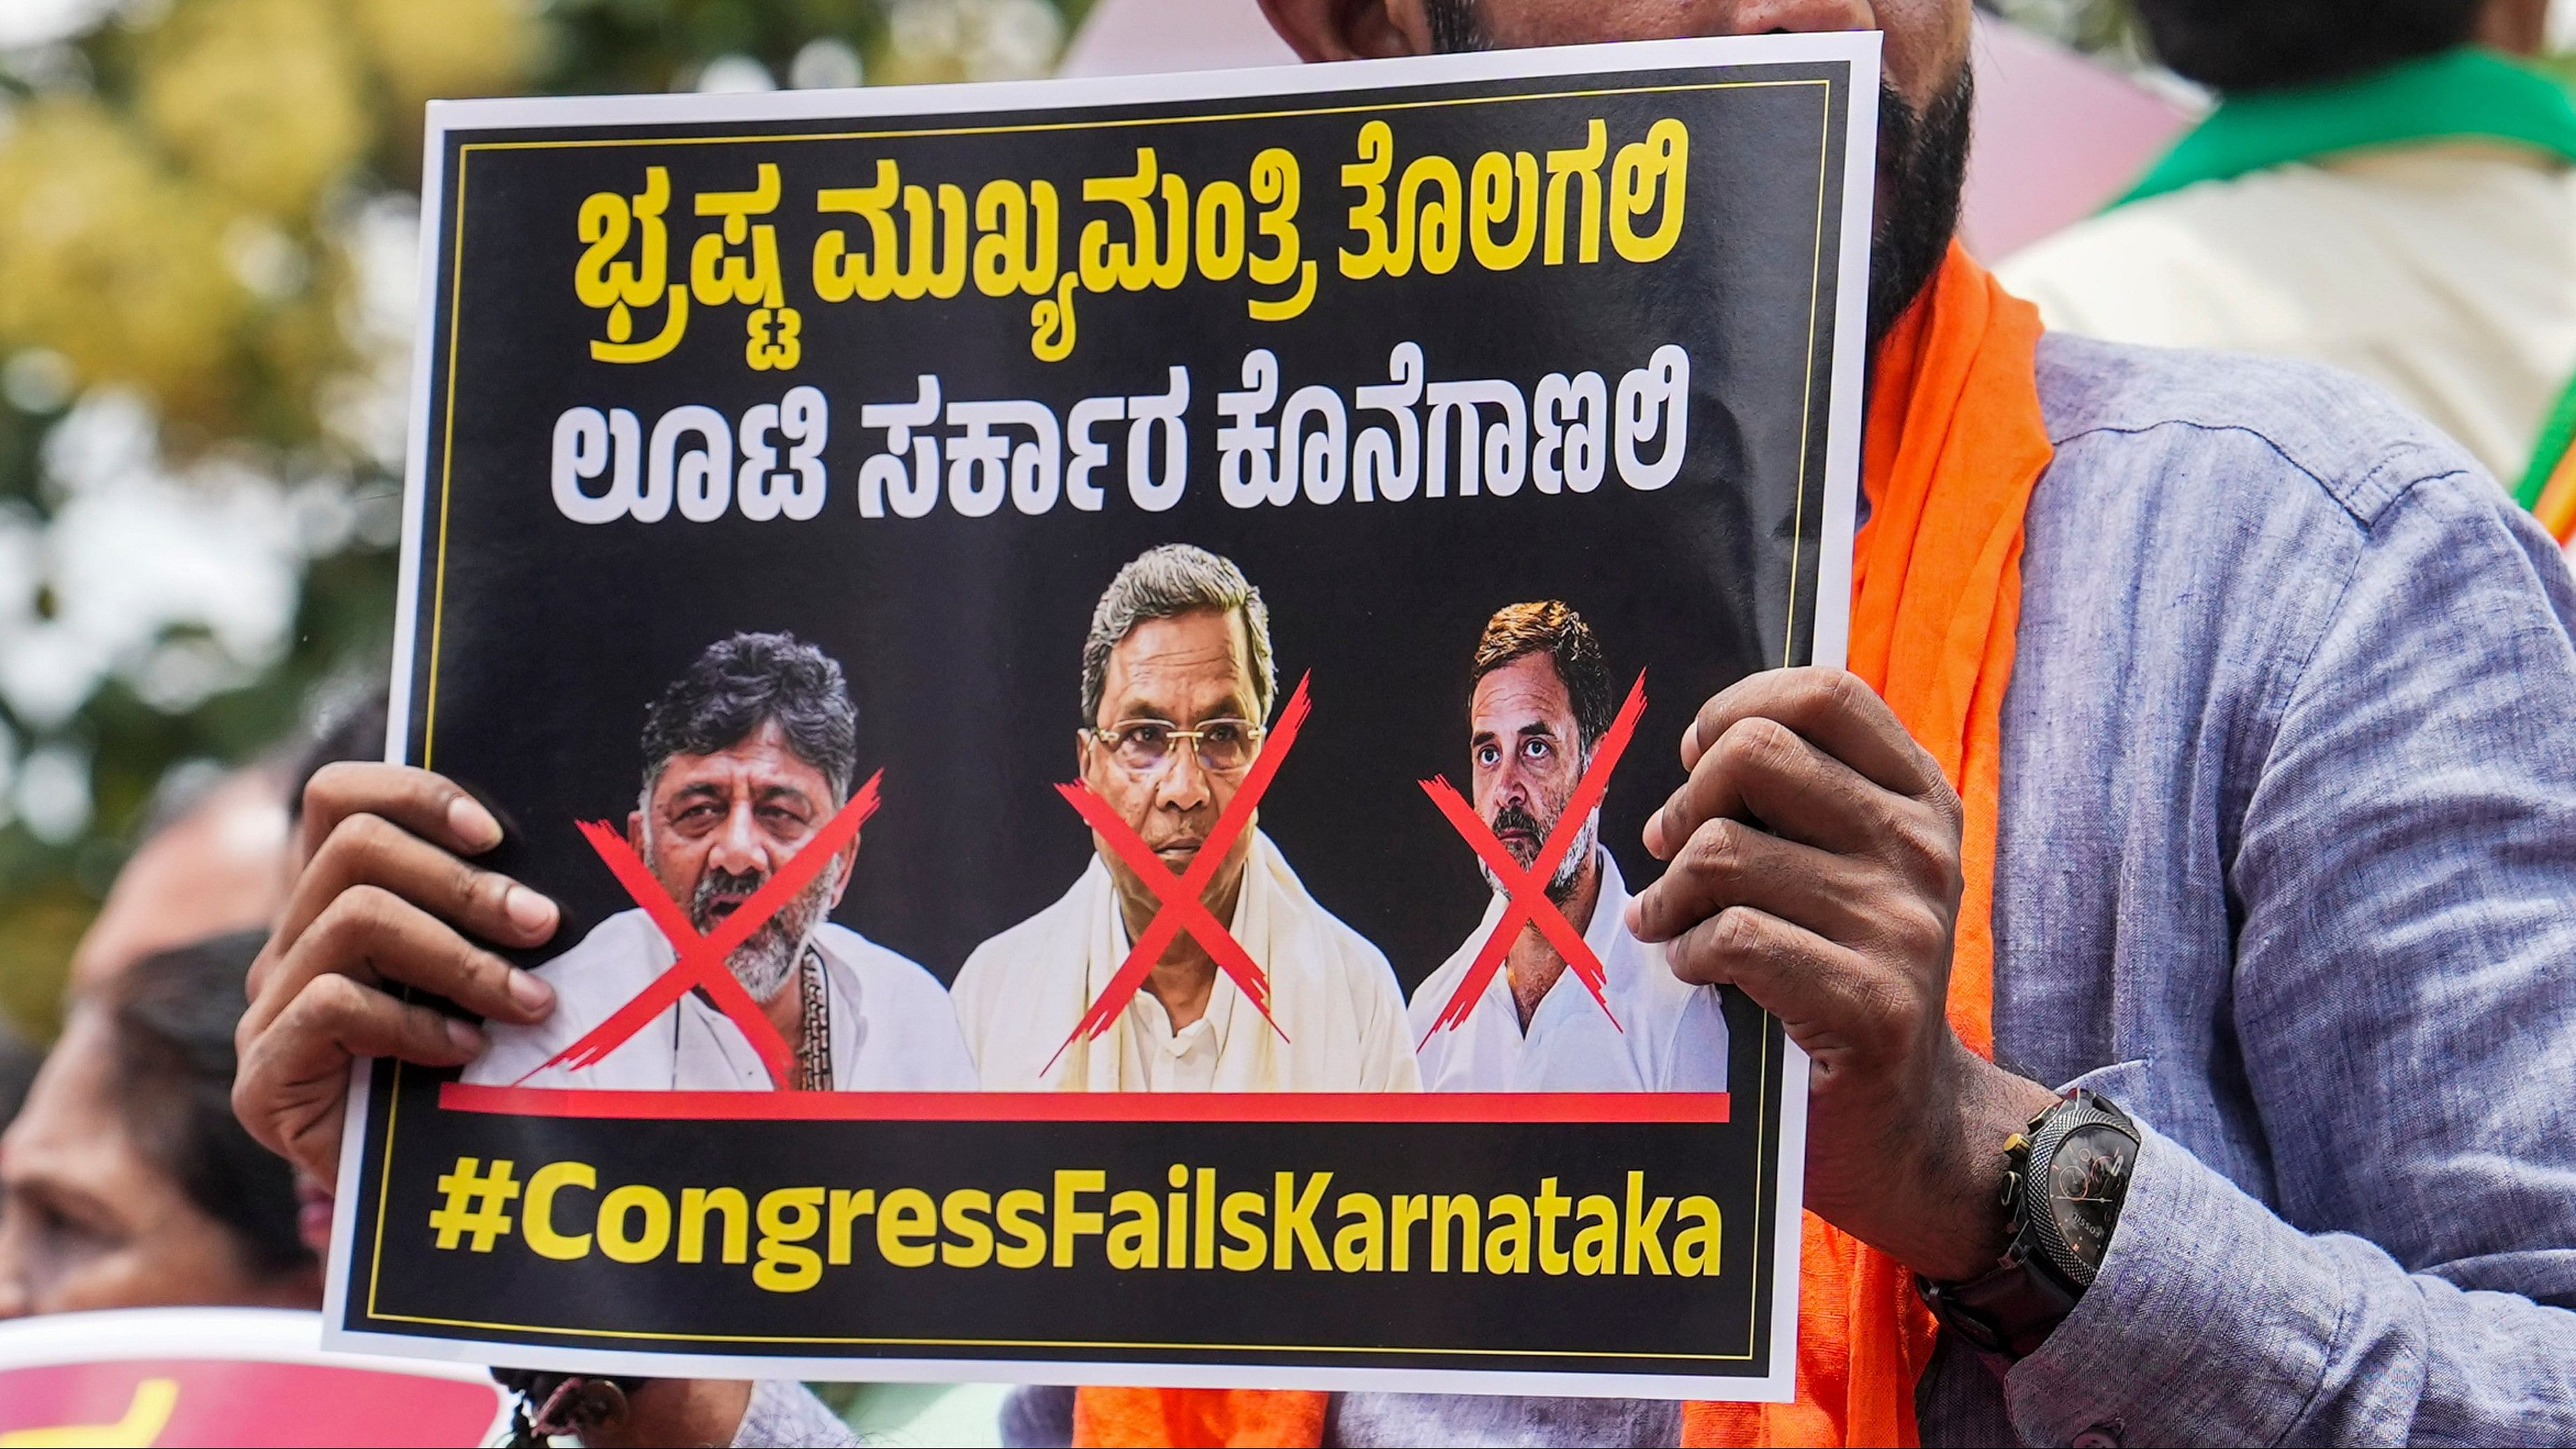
column 1184, row 977
column 1532, row 963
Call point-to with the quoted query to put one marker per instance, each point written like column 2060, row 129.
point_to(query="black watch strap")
column 2010, row 1311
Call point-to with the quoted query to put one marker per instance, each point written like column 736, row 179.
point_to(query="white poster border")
column 218, row 1335
column 1831, row 634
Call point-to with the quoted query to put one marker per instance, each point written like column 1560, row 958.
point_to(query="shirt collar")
column 2465, row 94
column 1607, row 935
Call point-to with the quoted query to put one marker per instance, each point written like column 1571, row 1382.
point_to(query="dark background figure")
column 2386, row 186
column 213, row 853
column 354, row 731
column 2233, row 45
column 125, row 1181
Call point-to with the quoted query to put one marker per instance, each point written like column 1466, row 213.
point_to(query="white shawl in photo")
column 1332, row 993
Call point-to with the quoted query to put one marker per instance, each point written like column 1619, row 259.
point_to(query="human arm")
column 2399, row 1262
column 1813, row 862
column 2404, row 1009
column 386, row 896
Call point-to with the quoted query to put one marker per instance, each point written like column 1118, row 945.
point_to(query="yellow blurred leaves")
column 183, row 240
column 427, row 51
column 931, row 41
column 259, row 97
column 448, row 49
column 112, row 260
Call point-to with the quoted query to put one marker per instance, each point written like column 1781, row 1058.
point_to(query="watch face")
column 2087, row 1180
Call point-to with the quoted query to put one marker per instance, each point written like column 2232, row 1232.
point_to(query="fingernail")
column 1634, row 918
column 529, row 992
column 472, row 823
column 463, row 1034
column 527, row 910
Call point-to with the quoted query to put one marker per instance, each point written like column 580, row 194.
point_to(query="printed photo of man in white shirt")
column 747, row 756
column 1541, row 702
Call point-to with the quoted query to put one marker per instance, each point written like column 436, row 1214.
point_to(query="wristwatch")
column 2064, row 1181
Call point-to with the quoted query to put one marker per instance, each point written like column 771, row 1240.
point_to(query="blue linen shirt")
column 2287, row 868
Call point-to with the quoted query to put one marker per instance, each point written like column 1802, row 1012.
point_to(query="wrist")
column 1968, row 1229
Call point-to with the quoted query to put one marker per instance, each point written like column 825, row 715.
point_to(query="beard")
column 1458, row 26
column 763, row 963
column 1923, row 168
column 1560, row 887
column 1922, row 161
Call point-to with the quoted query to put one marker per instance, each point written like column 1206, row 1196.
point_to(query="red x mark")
column 701, row 962
column 1526, row 890
column 1182, row 910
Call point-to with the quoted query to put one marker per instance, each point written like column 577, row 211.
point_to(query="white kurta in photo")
column 1670, row 1037
column 1022, row 993
column 892, row 1029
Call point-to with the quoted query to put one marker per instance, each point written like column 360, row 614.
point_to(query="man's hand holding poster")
column 1090, row 664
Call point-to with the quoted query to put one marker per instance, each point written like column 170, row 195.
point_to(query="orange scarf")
column 1955, row 445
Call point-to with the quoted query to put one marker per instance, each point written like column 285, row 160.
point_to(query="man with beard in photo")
column 1541, row 703
column 745, row 757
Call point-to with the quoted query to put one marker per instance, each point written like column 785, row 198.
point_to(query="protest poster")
column 1070, row 650
column 180, row 1378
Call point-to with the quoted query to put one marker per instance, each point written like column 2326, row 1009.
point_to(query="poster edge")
column 344, row 1201
column 1173, row 87
column 433, row 227
column 1774, row 1388
column 1845, row 419
column 1858, row 50
column 1831, row 648
column 354, row 1134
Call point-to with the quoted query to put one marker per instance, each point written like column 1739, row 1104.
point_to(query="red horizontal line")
column 1699, row 1107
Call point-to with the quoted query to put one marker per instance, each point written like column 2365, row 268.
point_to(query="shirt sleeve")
column 928, row 1031
column 1386, row 1047
column 1699, row 1049
column 786, row 1415
column 2405, row 1008
column 517, row 1055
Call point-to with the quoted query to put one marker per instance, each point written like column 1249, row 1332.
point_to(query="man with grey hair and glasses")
column 1177, row 687
column 746, row 756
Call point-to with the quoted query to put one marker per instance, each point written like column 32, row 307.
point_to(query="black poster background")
column 539, row 641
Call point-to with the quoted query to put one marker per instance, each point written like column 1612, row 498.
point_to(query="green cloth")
column 2459, row 95
column 2468, row 94
column 2556, row 437
column 901, row 1416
